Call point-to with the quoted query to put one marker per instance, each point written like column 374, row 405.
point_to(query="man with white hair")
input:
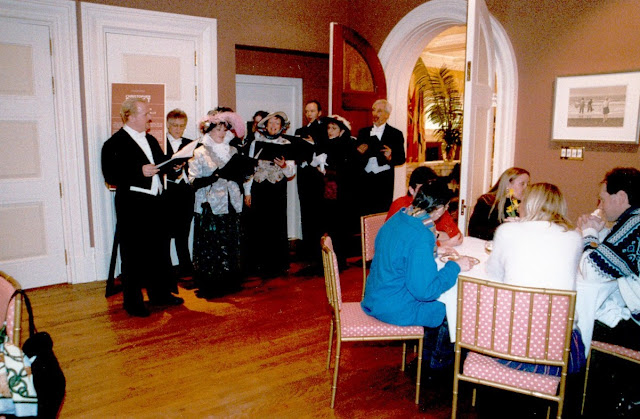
column 129, row 160
column 378, row 149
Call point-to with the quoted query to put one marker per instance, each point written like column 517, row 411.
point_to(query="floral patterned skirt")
column 216, row 250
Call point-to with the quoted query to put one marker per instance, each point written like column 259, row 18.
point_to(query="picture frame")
column 597, row 107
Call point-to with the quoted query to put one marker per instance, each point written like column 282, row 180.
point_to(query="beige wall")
column 549, row 37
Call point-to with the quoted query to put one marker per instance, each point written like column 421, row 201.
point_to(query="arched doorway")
column 405, row 43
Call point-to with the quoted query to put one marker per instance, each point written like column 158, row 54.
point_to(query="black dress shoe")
column 138, row 311
column 170, row 300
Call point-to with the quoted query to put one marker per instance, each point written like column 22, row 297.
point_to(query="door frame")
column 294, row 86
column 403, row 46
column 97, row 20
column 60, row 17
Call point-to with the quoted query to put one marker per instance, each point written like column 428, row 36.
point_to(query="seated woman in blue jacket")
column 404, row 282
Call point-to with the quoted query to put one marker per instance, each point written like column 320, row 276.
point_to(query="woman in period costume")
column 217, row 233
column 266, row 197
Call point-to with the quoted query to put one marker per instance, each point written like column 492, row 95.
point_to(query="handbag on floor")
column 48, row 378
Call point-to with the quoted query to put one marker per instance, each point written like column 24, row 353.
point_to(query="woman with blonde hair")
column 540, row 250
column 499, row 204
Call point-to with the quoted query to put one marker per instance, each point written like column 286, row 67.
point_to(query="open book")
column 182, row 155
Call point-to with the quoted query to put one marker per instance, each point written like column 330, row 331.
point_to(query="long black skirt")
column 216, row 251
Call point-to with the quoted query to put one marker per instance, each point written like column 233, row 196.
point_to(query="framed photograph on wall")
column 597, row 107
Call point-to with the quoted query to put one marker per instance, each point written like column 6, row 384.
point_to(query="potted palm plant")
column 443, row 106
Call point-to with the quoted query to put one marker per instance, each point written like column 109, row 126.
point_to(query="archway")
column 405, row 43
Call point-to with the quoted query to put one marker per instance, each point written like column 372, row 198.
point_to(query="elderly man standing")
column 378, row 150
column 129, row 161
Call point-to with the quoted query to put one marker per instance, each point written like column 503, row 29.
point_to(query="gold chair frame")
column 369, row 226
column 495, row 352
column 598, row 346
column 5, row 305
column 334, row 296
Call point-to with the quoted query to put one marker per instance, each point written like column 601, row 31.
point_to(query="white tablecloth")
column 474, row 247
column 589, row 298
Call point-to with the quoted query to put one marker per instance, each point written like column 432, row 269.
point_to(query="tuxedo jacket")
column 122, row 161
column 170, row 172
column 304, row 150
column 391, row 137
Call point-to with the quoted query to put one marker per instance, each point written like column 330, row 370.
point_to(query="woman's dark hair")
column 433, row 194
column 421, row 176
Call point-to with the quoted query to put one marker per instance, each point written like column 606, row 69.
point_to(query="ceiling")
column 447, row 49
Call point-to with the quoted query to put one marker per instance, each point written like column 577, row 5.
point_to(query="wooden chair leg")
column 404, row 355
column 586, row 377
column 420, row 342
column 330, row 344
column 334, row 386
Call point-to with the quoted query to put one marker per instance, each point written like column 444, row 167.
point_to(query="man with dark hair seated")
column 614, row 255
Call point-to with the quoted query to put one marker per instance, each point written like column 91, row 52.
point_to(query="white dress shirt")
column 141, row 139
column 372, row 165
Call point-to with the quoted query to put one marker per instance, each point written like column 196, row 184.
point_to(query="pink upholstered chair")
column 610, row 349
column 10, row 311
column 521, row 324
column 350, row 323
column 369, row 226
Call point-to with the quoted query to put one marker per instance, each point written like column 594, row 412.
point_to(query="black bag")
column 48, row 378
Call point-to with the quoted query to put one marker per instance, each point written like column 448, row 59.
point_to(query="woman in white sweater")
column 540, row 250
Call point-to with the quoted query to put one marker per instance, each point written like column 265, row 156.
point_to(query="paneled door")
column 356, row 77
column 31, row 227
column 146, row 59
column 478, row 128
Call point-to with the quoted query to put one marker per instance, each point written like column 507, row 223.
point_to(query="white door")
column 272, row 94
column 477, row 134
column 146, row 59
column 31, row 229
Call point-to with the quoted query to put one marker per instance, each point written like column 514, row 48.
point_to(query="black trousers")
column 311, row 195
column 144, row 247
column 180, row 200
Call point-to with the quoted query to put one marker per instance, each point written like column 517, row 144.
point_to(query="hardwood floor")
column 258, row 353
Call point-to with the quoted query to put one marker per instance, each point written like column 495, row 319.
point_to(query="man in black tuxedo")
column 378, row 150
column 311, row 184
column 129, row 161
column 179, row 194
